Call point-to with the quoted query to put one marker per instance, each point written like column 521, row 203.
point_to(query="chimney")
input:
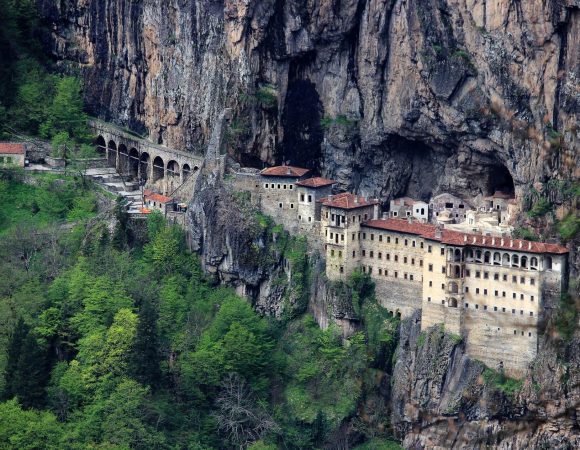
column 511, row 244
column 356, row 199
column 438, row 232
column 483, row 241
column 529, row 245
column 492, row 241
column 501, row 242
column 521, row 244
column 288, row 171
column 474, row 239
column 464, row 238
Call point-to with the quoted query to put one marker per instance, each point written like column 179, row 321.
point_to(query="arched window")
column 487, row 257
column 534, row 263
column 457, row 271
column 453, row 303
column 469, row 255
column 478, row 256
column 515, row 261
column 453, row 288
column 505, row 259
column 457, row 255
column 524, row 262
column 548, row 261
column 496, row 259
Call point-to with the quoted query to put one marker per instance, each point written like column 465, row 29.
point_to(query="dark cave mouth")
column 500, row 180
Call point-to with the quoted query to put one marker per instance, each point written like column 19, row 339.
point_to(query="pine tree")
column 13, row 355
column 145, row 352
column 33, row 373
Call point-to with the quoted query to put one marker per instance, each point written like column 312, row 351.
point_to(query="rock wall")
column 440, row 398
column 386, row 96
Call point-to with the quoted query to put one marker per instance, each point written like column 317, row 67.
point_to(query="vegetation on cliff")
column 124, row 343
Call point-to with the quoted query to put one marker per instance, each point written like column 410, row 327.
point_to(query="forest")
column 114, row 338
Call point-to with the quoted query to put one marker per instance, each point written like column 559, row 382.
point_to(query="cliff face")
column 441, row 398
column 385, row 96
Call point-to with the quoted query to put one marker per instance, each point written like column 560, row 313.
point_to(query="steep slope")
column 385, row 96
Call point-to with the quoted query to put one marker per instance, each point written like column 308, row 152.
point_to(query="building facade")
column 404, row 207
column 12, row 154
column 453, row 205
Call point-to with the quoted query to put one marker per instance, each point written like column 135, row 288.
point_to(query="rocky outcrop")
column 386, row 96
column 441, row 399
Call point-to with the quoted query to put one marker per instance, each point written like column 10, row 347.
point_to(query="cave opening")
column 500, row 180
column 301, row 118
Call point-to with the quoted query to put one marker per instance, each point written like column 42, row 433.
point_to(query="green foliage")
column 566, row 319
column 524, row 233
column 540, row 208
column 501, row 382
column 569, row 226
column 266, row 95
column 340, row 121
column 379, row 444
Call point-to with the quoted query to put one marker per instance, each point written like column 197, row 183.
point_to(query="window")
column 443, row 286
column 340, row 253
column 413, row 244
column 380, row 238
column 341, row 267
column 430, row 267
column 310, row 199
column 405, row 259
column 370, row 270
column 372, row 236
column 442, row 251
column 486, row 275
column 531, row 313
column 353, row 236
column 430, row 284
column 278, row 186
column 521, row 296
column 503, row 294
column 429, row 249
column 341, row 236
column 515, row 332
column 380, row 255
column 372, row 254
column 485, row 292
column 496, row 276
column 504, row 277
column 396, row 240
column 396, row 274
column 388, row 256
column 396, row 258
column 406, row 242
column 477, row 290
column 411, row 277
column 353, row 253
column 364, row 253
column 420, row 263
column 364, row 236
column 476, row 306
column 284, row 186
column 279, row 205
column 380, row 271
column 421, row 245
column 442, row 269
column 405, row 275
column 533, row 281
column 496, row 293
column 366, row 216
column 467, row 273
column 514, row 279
column 495, row 308
column 292, row 207
column 388, row 239
column 266, row 185
column 467, row 305
column 412, row 261
column 466, row 289
column 485, row 307
column 331, row 235
column 428, row 299
column 514, row 295
column 503, row 309
column 291, row 187
column 531, row 298
column 332, row 252
column 477, row 274
column 522, row 280
column 521, row 312
column 513, row 311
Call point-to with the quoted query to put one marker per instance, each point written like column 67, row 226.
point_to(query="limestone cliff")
column 442, row 400
column 386, row 96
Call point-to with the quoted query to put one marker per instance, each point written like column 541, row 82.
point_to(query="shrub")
column 540, row 208
column 266, row 95
column 524, row 233
column 499, row 381
column 567, row 317
column 569, row 226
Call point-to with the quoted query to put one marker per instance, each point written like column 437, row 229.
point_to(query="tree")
column 240, row 416
column 66, row 111
column 145, row 361
column 14, row 351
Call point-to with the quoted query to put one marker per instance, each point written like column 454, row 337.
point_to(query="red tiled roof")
column 316, row 182
column 346, row 200
column 11, row 148
column 158, row 197
column 284, row 171
column 401, row 225
column 452, row 237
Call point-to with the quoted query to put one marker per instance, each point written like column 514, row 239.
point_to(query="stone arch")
column 173, row 169
column 452, row 303
column 524, row 262
column 144, row 163
column 123, row 161
column 101, row 145
column 112, row 153
column 515, row 261
column 469, row 255
column 478, row 256
column 533, row 263
column 496, row 259
column 505, row 259
column 158, row 169
column 134, row 162
column 185, row 171
column 487, row 257
column 456, row 271
column 457, row 255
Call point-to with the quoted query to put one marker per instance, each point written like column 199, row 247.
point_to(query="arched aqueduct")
column 138, row 160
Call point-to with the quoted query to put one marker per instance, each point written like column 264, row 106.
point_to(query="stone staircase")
column 112, row 182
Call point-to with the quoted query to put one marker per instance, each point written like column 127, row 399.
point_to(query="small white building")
column 404, row 207
column 12, row 154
